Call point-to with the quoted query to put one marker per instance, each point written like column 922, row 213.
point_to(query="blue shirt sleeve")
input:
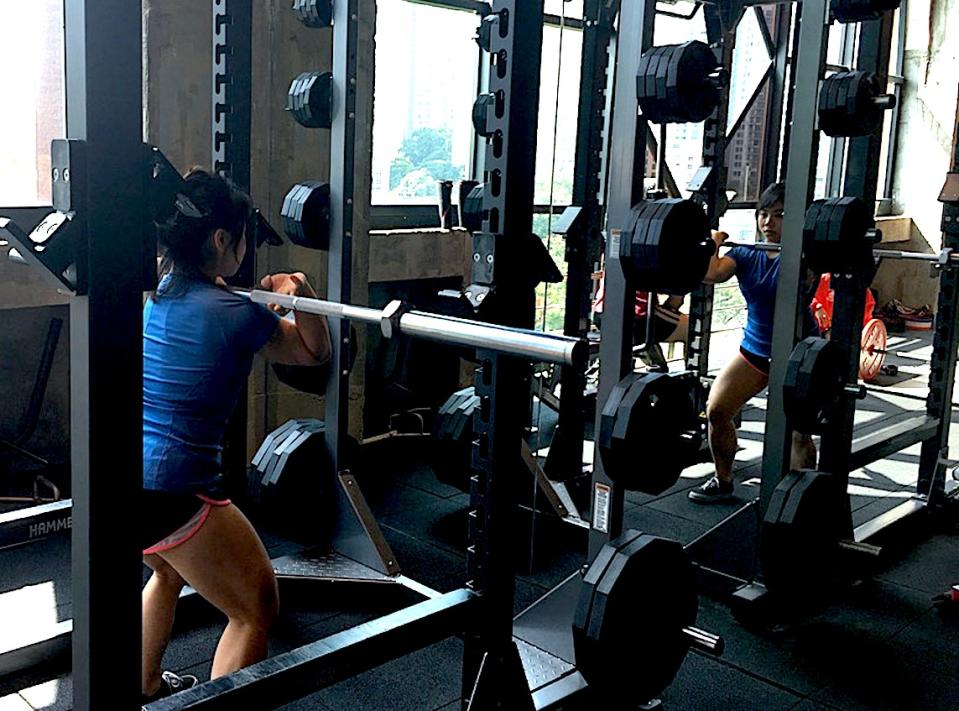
column 249, row 325
column 740, row 255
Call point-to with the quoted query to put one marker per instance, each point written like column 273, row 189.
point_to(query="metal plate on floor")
column 541, row 667
column 327, row 566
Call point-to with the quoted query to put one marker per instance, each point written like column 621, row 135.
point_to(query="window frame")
column 386, row 216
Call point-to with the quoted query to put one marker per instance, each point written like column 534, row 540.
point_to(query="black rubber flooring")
column 878, row 645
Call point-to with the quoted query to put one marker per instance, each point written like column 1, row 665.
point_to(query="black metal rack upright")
column 861, row 175
column 516, row 45
column 710, row 191
column 800, row 182
column 626, row 188
column 230, row 143
column 584, row 234
column 945, row 343
column 104, row 77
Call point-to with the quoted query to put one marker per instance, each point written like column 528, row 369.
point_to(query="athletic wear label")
column 614, row 243
column 601, row 508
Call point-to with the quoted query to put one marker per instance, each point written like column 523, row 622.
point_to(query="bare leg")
column 803, row 452
column 682, row 328
column 160, row 596
column 226, row 563
column 737, row 382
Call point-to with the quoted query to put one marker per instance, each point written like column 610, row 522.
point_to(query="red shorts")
column 169, row 519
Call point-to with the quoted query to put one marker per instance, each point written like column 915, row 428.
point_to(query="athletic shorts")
column 168, row 519
column 665, row 323
column 757, row 362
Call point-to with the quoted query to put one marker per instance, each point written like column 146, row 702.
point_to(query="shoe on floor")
column 919, row 320
column 712, row 492
column 170, row 684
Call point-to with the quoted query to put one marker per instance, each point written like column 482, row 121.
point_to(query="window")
column 749, row 100
column 426, row 74
column 31, row 83
column 554, row 170
column 571, row 8
column 556, row 153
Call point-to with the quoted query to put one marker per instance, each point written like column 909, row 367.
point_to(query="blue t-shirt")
column 198, row 348
column 758, row 274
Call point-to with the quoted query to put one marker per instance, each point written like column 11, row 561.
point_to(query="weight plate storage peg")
column 872, row 352
column 648, row 432
column 637, row 597
column 801, row 531
column 306, row 214
column 813, row 384
column 667, row 243
column 852, row 104
column 678, row 83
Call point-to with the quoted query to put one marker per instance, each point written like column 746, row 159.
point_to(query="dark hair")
column 774, row 194
column 212, row 203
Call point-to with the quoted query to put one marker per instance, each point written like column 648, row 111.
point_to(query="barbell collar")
column 522, row 343
column 705, row 641
column 857, row 391
column 886, row 101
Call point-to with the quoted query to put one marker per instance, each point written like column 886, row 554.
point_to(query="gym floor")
column 878, row 645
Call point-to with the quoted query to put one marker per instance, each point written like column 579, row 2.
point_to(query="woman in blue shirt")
column 744, row 377
column 199, row 340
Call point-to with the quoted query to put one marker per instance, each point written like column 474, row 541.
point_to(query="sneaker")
column 713, row 491
column 919, row 320
column 170, row 684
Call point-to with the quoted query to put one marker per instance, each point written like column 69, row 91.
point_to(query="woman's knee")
column 164, row 573
column 719, row 414
column 261, row 606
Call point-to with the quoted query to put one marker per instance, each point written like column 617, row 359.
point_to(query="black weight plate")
column 656, row 239
column 632, row 644
column 641, row 68
column 650, row 104
column 668, row 59
column 652, row 71
column 309, row 118
column 799, row 541
column 295, row 92
column 655, row 246
column 698, row 95
column 645, row 247
column 269, row 442
column 610, row 408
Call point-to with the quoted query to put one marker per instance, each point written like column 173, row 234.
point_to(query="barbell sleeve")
column 523, row 343
column 705, row 641
column 886, row 101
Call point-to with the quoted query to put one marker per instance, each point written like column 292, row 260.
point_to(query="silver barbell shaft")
column 532, row 345
column 704, row 641
column 941, row 257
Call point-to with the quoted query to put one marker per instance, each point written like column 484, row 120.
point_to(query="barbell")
column 944, row 257
column 666, row 246
column 398, row 319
